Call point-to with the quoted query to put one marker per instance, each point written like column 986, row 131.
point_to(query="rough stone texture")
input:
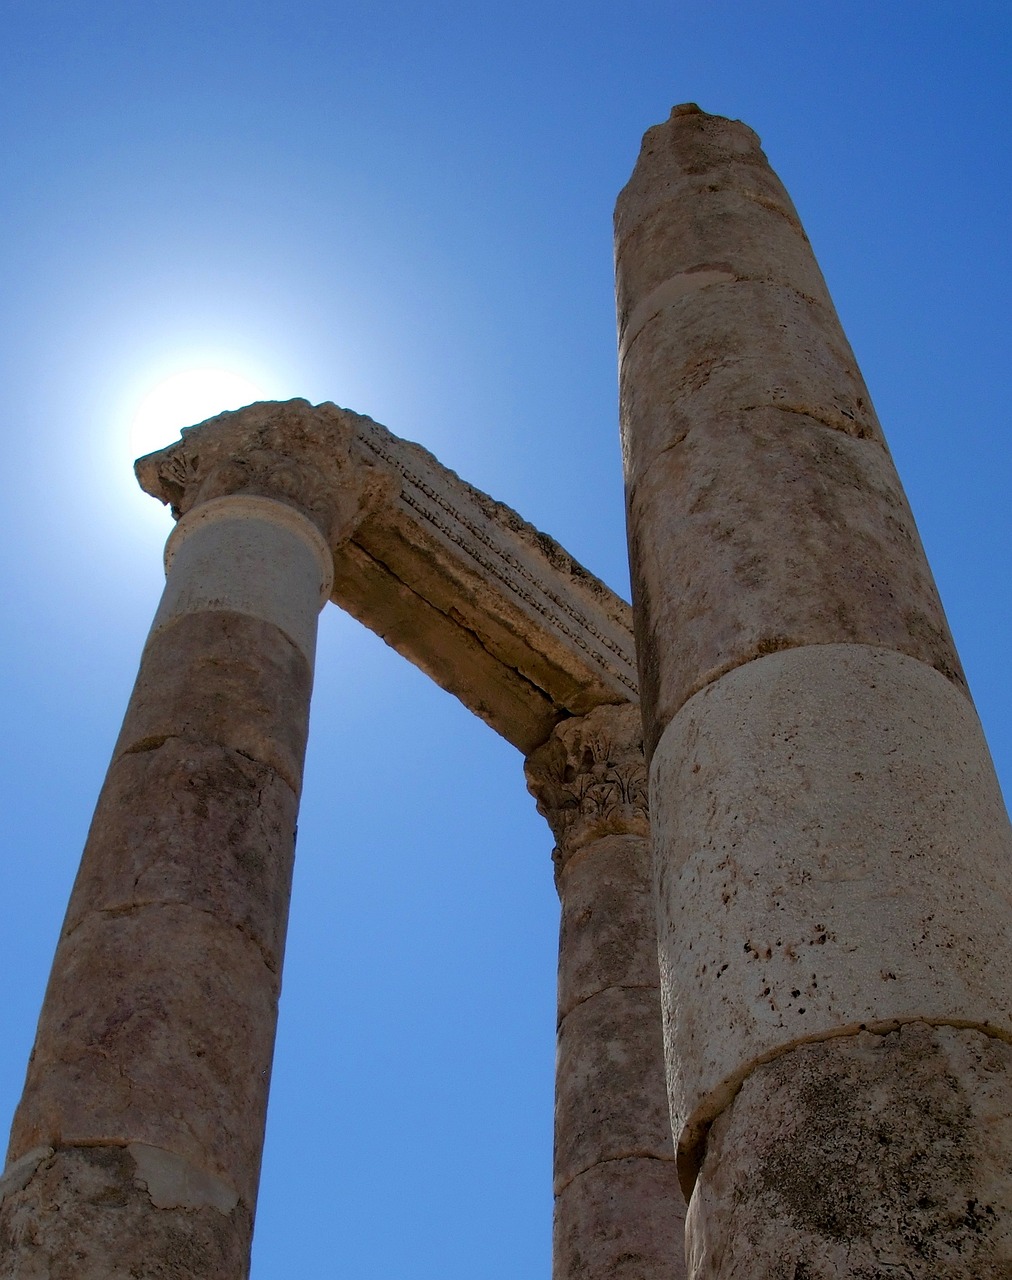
column 88, row 1214
column 830, row 845
column 622, row 1220
column 195, row 824
column 618, row 1209
column 493, row 610
column 839, row 854
column 223, row 678
column 703, row 197
column 252, row 556
column 612, row 1104
column 146, row 1092
column 866, row 1156
column 158, row 1027
column 589, row 779
column 607, row 934
column 764, row 510
column 290, row 451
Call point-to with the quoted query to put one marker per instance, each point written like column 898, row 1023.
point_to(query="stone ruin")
column 785, row 980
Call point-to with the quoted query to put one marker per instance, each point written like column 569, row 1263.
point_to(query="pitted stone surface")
column 866, row 1156
column 833, row 851
column 764, row 511
column 158, row 1027
column 192, row 823
column 227, row 679
column 673, row 383
column 612, row 1104
column 766, row 530
column 622, row 1220
column 703, row 199
column 607, row 936
column 87, row 1215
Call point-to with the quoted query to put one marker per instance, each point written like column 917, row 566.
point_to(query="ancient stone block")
column 620, row 1221
column 839, row 855
column 158, row 1028
column 192, row 823
column 225, row 678
column 89, row 1213
column 607, row 936
column 863, row 1156
column 610, row 1100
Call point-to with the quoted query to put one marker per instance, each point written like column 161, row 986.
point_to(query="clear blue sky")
column 406, row 208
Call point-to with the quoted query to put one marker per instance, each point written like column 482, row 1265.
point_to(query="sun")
column 185, row 398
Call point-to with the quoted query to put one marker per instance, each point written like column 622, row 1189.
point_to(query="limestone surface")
column 764, row 509
column 136, row 1146
column 620, row 1221
column 91, row 1213
column 618, row 1208
column 839, row 858
column 865, row 1156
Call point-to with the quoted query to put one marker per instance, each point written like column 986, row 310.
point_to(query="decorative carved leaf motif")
column 590, row 780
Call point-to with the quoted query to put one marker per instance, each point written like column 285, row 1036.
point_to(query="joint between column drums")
column 598, row 1164
column 611, row 986
column 691, row 1144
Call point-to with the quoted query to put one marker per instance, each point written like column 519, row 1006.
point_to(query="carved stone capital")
column 590, row 780
column 291, row 451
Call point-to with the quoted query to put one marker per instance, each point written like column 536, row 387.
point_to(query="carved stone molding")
column 590, row 780
column 291, row 451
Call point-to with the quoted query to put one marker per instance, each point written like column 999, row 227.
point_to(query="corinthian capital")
column 291, row 451
column 589, row 778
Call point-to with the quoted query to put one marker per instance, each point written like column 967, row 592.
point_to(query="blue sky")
column 407, row 209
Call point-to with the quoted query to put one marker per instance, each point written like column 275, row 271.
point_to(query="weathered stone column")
column 135, row 1150
column 831, row 849
column 618, row 1209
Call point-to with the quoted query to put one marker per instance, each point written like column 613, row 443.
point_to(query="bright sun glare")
column 186, row 398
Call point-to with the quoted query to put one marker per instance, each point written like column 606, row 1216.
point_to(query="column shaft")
column 831, row 850
column 136, row 1146
column 618, row 1208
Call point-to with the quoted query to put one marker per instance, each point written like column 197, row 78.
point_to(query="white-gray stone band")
column 833, row 855
column 250, row 555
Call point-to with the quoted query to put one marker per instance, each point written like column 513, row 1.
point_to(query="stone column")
column 618, row 1209
column 135, row 1150
column 832, row 854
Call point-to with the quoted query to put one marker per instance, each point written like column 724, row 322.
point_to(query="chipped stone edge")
column 691, row 1143
column 172, row 1182
column 18, row 1175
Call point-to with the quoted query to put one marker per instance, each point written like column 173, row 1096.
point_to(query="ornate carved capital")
column 292, row 451
column 590, row 778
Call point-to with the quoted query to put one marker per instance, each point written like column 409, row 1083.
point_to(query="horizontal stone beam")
column 494, row 611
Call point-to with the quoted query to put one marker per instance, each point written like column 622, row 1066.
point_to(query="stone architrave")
column 832, row 855
column 496, row 612
column 618, row 1209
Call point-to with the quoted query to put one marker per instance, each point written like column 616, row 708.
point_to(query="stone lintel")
column 495, row 612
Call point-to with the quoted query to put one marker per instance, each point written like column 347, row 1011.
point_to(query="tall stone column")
column 618, row 1209
column 832, row 854
column 135, row 1150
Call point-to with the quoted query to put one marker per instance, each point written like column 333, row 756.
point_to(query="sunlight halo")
column 186, row 398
